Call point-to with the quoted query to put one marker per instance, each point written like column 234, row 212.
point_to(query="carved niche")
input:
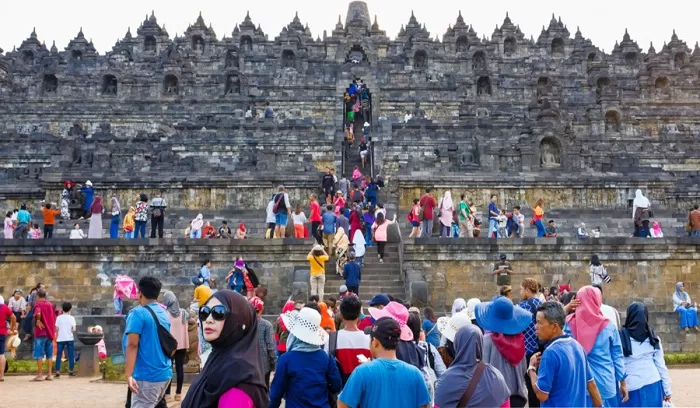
column 171, row 85
column 50, row 85
column 550, row 153
column 479, row 61
column 109, row 85
column 232, row 59
column 288, row 59
column 233, row 85
column 420, row 60
column 509, row 46
column 483, row 86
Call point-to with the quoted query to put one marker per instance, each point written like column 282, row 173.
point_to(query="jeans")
column 354, row 289
column 129, row 235
column 20, row 231
column 114, row 226
column 48, row 231
column 179, row 361
column 368, row 235
column 493, row 228
column 118, row 306
column 372, row 200
column 140, row 229
column 695, row 233
column 445, row 231
column 360, row 260
column 317, row 283
column 540, row 229
column 195, row 234
column 28, row 320
column 157, row 223
column 69, row 346
column 426, row 229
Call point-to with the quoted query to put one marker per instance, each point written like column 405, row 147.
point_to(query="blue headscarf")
column 294, row 344
column 682, row 296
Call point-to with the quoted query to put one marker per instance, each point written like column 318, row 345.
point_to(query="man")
column 49, row 219
column 464, row 215
column 551, row 230
column 269, row 113
column 270, row 220
column 358, row 197
column 266, row 334
column 373, row 384
column 371, row 192
column 530, row 302
column 158, row 206
column 225, row 231
column 694, row 220
column 379, row 301
column 328, row 218
column 5, row 316
column 89, row 194
column 31, row 304
column 342, row 221
column 344, row 185
column 350, row 342
column 561, row 375
column 205, row 273
column 608, row 311
column 328, row 185
column 352, row 275
column 44, row 334
column 282, row 209
column 502, row 269
column 148, row 370
column 23, row 219
column 407, row 117
column 519, row 219
column 493, row 217
column 427, row 203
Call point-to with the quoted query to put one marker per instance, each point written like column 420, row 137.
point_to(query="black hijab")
column 637, row 327
column 235, row 360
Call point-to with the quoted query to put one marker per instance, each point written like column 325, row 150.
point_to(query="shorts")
column 281, row 219
column 43, row 348
column 415, row 223
column 363, row 154
column 3, row 338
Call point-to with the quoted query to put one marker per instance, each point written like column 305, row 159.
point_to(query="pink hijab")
column 588, row 321
column 657, row 228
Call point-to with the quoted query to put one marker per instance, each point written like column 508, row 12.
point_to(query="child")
column 129, row 223
column 101, row 348
column 118, row 299
column 502, row 220
column 235, row 275
column 551, row 230
column 596, row 232
column 35, row 233
column 76, row 232
column 12, row 341
column 65, row 327
column 299, row 219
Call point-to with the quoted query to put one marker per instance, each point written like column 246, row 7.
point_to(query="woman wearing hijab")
column 682, row 305
column 305, row 374
column 355, row 221
column 96, row 209
column 340, row 243
column 358, row 242
column 458, row 305
column 232, row 375
column 448, row 327
column 116, row 218
column 281, row 332
column 446, row 210
column 240, row 232
column 178, row 328
column 640, row 215
column 601, row 342
column 208, row 231
column 196, row 227
column 647, row 377
column 656, row 230
column 327, row 322
column 491, row 389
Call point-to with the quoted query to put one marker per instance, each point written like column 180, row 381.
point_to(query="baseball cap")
column 503, row 257
column 257, row 303
column 379, row 299
column 387, row 331
column 342, row 289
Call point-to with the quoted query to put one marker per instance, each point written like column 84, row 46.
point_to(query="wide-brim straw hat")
column 448, row 326
column 305, row 325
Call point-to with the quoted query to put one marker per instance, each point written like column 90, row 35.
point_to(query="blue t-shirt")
column 494, row 209
column 352, row 274
column 328, row 219
column 564, row 373
column 205, row 274
column 374, row 384
column 152, row 365
column 432, row 335
column 23, row 217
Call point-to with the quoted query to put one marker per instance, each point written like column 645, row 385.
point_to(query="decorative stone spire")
column 339, row 24
column 507, row 20
column 54, row 49
column 652, row 50
column 128, row 35
column 412, row 20
column 696, row 51
column 33, row 34
column 460, row 21
column 236, row 30
column 674, row 37
column 375, row 25
column 80, row 33
column 626, row 37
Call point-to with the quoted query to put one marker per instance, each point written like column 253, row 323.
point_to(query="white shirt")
column 407, row 118
column 65, row 324
column 611, row 314
column 77, row 234
column 646, row 366
column 299, row 219
column 270, row 213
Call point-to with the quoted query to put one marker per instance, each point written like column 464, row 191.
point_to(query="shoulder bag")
column 168, row 343
column 472, row 385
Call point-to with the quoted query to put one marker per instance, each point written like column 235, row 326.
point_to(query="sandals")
column 37, row 379
column 178, row 397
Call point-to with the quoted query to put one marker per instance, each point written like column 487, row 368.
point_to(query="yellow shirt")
column 201, row 294
column 319, row 267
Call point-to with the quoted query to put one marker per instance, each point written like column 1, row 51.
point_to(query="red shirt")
column 428, row 202
column 48, row 318
column 5, row 316
column 315, row 215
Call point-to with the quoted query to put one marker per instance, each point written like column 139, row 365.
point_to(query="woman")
column 601, row 341
column 448, row 327
column 640, row 214
column 597, row 271
column 379, row 233
column 369, row 218
column 65, row 199
column 298, row 219
column 491, row 389
column 315, row 219
column 647, row 377
column 232, row 375
column 340, row 243
column 656, row 230
column 682, row 305
column 281, row 332
column 414, row 218
column 433, row 366
column 116, row 218
column 538, row 216
column 178, row 328
column 129, row 223
column 355, row 221
column 305, row 374
column 9, row 225
column 241, row 232
column 446, row 210
column 141, row 216
column 339, row 202
column 208, row 231
column 196, row 227
column 96, row 209
column 327, row 322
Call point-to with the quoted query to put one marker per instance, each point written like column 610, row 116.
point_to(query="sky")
column 604, row 22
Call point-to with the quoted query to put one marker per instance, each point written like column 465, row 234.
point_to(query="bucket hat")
column 448, row 326
column 305, row 325
column 398, row 312
column 501, row 316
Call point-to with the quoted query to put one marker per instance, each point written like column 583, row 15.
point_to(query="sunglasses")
column 218, row 312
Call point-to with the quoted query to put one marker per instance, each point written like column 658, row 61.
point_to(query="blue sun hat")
column 500, row 316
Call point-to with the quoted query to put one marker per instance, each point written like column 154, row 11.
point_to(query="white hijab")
column 639, row 201
column 447, row 201
column 359, row 242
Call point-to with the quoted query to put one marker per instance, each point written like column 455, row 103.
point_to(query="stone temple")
column 522, row 117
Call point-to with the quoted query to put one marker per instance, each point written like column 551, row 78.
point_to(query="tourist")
column 355, row 221
column 6, row 316
column 44, row 332
column 407, row 117
column 65, row 327
column 232, row 375
column 18, row 306
column 270, row 220
column 489, row 388
column 268, row 113
column 158, row 206
column 519, row 223
column 431, row 365
column 130, row 223
column 688, row 312
column 648, row 382
column 338, row 203
column 328, row 185
column 12, row 342
column 538, row 217
column 96, row 209
column 31, row 304
column 234, row 279
column 329, row 219
column 464, row 218
column 116, row 218
column 694, row 221
column 429, row 325
column 224, row 231
column 148, row 370
column 364, row 150
column 426, row 216
column 597, row 271
column 582, row 232
column 560, row 375
column 35, row 232
column 446, row 210
column 208, row 230
column 317, row 258
column 299, row 219
column 494, row 212
column 352, row 275
column 530, row 302
column 49, row 219
column 65, row 199
column 656, row 230
column 551, row 230
column 347, row 344
column 504, row 345
column 502, row 270
column 327, row 322
column 371, row 192
column 266, row 340
column 380, row 234
column 342, row 221
column 281, row 332
column 141, row 216
column 596, row 232
column 341, row 244
column 379, row 301
column 608, row 311
column 178, row 329
column 88, row 194
column 241, row 232
column 23, row 219
column 601, row 342
column 9, row 226
column 369, row 218
column 641, row 215
column 205, row 273
column 374, row 383
column 414, row 218
column 195, row 227
column 357, row 196
column 407, row 350
column 315, row 219
column 304, row 376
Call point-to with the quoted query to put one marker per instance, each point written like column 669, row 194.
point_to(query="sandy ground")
column 70, row 392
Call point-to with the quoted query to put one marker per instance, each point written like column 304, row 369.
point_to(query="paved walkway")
column 81, row 392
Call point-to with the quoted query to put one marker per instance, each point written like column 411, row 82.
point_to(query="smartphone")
column 362, row 359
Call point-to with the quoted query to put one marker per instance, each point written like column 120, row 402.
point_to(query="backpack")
column 168, row 343
column 157, row 212
column 277, row 203
column 355, row 196
column 409, row 216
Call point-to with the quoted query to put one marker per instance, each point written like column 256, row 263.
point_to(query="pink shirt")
column 379, row 231
column 235, row 398
column 179, row 331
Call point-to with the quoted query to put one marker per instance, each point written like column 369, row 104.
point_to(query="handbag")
column 472, row 385
column 168, row 343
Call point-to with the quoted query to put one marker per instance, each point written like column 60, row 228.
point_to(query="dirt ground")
column 70, row 392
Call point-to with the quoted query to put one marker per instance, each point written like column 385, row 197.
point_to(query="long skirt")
column 95, row 230
column 651, row 395
column 689, row 317
column 341, row 254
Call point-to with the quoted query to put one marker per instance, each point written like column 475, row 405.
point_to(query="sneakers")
column 57, row 375
column 72, row 374
column 381, row 260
